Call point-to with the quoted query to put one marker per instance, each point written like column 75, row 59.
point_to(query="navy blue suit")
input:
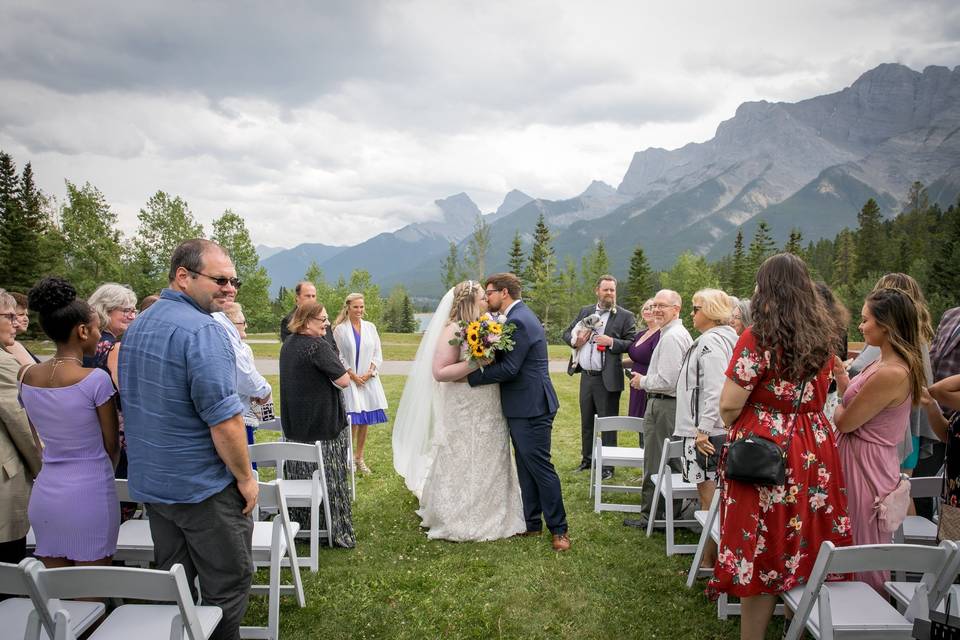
column 529, row 404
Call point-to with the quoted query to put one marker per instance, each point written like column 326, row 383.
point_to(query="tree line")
column 922, row 240
column 78, row 239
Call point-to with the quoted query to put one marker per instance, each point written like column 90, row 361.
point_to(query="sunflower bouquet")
column 482, row 338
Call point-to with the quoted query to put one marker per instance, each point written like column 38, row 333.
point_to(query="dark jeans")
column 595, row 400
column 211, row 539
column 539, row 483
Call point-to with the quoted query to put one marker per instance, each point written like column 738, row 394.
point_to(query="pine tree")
column 569, row 296
column 945, row 270
column 761, row 247
column 592, row 266
column 516, row 261
column 794, row 244
column 917, row 198
column 9, row 204
column 845, row 260
column 689, row 274
column 740, row 270
column 230, row 232
column 541, row 273
column 25, row 230
column 870, row 241
column 408, row 319
column 639, row 286
column 450, row 269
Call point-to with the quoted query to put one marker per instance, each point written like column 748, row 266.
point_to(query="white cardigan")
column 370, row 396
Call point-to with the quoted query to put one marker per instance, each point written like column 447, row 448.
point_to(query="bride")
column 450, row 440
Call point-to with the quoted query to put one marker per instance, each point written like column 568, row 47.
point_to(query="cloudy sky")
column 332, row 121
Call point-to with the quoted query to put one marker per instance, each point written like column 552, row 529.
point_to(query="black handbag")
column 758, row 460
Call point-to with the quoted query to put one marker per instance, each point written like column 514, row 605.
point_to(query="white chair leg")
column 353, row 468
column 273, row 595
column 655, row 503
column 597, row 477
column 698, row 556
column 295, row 568
column 314, row 529
column 668, row 507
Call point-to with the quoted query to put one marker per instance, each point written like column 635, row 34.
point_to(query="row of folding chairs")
column 275, row 425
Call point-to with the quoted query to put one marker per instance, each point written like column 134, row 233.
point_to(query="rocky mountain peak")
column 598, row 189
column 511, row 202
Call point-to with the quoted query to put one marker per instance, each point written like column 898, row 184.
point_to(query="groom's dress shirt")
column 664, row 370
column 589, row 357
column 506, row 311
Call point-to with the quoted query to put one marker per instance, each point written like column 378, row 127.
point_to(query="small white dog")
column 591, row 324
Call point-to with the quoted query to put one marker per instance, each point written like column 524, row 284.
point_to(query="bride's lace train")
column 471, row 491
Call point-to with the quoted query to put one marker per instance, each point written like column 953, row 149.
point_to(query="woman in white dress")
column 450, row 441
column 359, row 346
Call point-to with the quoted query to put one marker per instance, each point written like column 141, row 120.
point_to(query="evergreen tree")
column 165, row 222
column 917, row 198
column 516, row 261
column 794, row 244
column 741, row 276
column 569, row 296
column 639, row 286
column 870, row 240
column 26, row 225
column 9, row 183
column 592, row 266
column 92, row 251
column 761, row 247
column 845, row 260
column 477, row 247
column 541, row 277
column 230, row 232
column 408, row 319
column 820, row 259
column 450, row 272
column 689, row 274
column 944, row 279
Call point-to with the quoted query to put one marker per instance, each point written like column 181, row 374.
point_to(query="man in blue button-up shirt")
column 186, row 441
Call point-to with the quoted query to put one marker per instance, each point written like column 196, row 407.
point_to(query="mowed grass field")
column 614, row 583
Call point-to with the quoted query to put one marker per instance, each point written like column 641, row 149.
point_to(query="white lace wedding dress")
column 461, row 469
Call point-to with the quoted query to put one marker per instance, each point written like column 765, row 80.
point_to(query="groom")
column 529, row 404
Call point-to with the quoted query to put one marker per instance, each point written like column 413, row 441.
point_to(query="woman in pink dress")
column 874, row 409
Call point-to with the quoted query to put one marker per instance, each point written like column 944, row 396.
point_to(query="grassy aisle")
column 615, row 582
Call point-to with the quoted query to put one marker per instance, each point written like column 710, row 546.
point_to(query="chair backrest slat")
column 617, row 423
column 12, row 581
column 108, row 582
column 926, row 487
column 123, row 490
column 266, row 452
column 888, row 557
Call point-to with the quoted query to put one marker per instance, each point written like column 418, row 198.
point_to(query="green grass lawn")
column 615, row 582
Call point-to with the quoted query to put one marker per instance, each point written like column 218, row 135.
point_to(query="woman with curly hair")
column 776, row 387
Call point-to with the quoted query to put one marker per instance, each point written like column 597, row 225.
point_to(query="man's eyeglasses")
column 12, row 317
column 220, row 280
column 242, row 323
column 657, row 305
column 489, row 291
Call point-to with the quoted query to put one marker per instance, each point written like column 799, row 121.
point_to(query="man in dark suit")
column 306, row 292
column 598, row 361
column 529, row 403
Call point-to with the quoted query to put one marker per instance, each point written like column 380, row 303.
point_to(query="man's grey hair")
column 110, row 296
column 670, row 295
column 7, row 301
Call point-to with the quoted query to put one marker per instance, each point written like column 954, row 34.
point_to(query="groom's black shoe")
column 584, row 466
column 607, row 473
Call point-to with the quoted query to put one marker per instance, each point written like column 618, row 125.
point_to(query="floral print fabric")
column 770, row 536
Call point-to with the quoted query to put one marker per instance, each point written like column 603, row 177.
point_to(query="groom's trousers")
column 539, row 483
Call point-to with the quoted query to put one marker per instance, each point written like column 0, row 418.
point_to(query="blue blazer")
column 523, row 374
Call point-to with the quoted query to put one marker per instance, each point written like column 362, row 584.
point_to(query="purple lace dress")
column 640, row 353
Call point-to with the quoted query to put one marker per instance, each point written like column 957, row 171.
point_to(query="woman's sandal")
column 362, row 466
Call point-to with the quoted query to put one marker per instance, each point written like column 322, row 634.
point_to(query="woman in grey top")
column 698, row 394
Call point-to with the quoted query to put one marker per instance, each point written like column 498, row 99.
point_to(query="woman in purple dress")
column 73, row 509
column 640, row 352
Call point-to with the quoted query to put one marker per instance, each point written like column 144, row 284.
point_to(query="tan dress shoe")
column 561, row 542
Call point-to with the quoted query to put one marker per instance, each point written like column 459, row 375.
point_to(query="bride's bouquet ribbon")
column 480, row 339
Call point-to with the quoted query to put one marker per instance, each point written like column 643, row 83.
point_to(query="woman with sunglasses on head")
column 73, row 508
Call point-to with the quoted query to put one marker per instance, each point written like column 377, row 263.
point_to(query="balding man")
column 660, row 384
column 306, row 292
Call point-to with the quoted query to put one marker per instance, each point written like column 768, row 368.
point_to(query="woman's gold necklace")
column 58, row 360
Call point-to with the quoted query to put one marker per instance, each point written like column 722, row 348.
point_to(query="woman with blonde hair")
column 874, row 409
column 451, row 443
column 698, row 395
column 359, row 345
column 640, row 353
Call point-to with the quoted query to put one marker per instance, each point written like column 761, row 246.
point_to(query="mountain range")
column 809, row 164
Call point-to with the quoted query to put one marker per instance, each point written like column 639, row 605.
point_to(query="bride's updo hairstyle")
column 465, row 301
column 60, row 310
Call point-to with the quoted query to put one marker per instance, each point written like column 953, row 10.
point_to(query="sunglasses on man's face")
column 220, row 280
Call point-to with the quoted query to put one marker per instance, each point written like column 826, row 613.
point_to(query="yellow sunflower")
column 473, row 338
column 477, row 351
column 494, row 327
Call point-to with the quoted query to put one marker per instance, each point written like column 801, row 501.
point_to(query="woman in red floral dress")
column 770, row 536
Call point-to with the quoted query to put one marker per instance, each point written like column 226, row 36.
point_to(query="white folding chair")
column 937, row 585
column 310, row 493
column 917, row 529
column 854, row 609
column 275, row 425
column 274, row 547
column 134, row 540
column 614, row 456
column 19, row 618
column 711, row 530
column 142, row 621
column 672, row 487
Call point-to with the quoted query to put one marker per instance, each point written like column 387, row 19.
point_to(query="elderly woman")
column 19, row 351
column 359, row 345
column 311, row 409
column 698, row 395
column 252, row 387
column 19, row 448
column 117, row 307
column 740, row 317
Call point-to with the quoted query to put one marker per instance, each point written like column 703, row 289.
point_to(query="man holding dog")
column 599, row 335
